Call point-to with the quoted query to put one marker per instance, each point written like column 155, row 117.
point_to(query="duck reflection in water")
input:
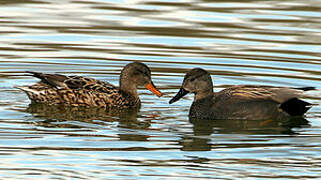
column 201, row 140
column 50, row 115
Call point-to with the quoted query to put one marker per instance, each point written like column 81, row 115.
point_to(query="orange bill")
column 153, row 89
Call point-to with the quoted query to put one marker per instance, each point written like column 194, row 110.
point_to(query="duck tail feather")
column 306, row 88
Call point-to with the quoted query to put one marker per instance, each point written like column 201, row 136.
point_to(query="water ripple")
column 238, row 42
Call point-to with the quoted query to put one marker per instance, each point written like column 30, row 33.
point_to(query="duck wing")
column 54, row 80
column 72, row 82
column 80, row 82
column 251, row 92
column 288, row 99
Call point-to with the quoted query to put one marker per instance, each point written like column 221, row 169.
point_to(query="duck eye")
column 192, row 79
column 138, row 72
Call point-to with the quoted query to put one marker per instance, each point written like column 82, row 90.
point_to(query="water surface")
column 268, row 42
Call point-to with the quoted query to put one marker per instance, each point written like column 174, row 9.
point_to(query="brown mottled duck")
column 242, row 101
column 57, row 89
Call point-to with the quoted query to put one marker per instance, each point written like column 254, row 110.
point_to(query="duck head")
column 137, row 74
column 197, row 81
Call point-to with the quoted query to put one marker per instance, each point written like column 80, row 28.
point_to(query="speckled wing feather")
column 79, row 82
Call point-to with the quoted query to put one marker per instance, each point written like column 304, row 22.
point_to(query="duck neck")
column 129, row 88
column 204, row 94
column 201, row 106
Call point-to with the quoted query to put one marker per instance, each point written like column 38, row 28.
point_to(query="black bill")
column 182, row 92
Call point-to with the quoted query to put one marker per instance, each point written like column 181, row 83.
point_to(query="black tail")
column 306, row 88
column 295, row 107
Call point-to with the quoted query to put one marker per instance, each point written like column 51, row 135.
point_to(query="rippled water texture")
column 271, row 42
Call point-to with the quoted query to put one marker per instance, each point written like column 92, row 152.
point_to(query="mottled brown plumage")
column 240, row 102
column 56, row 89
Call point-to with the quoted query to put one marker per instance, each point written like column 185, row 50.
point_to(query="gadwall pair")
column 236, row 102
